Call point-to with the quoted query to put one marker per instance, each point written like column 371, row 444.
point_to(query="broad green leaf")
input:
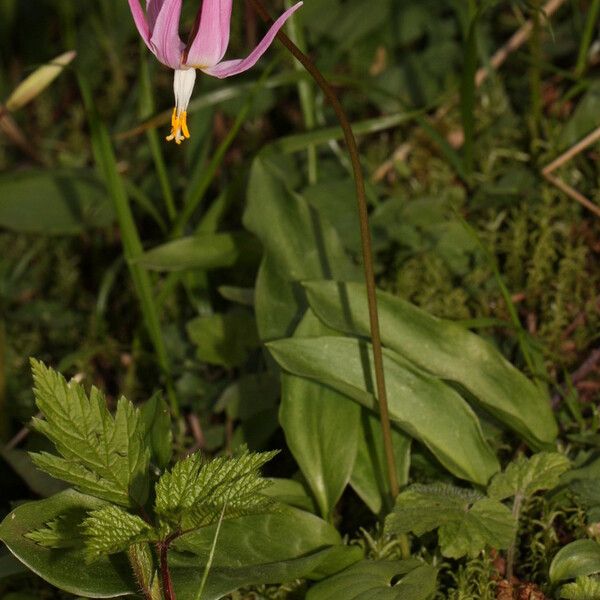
column 444, row 349
column 526, row 476
column 578, row 559
column 206, row 251
column 298, row 244
column 187, row 571
column 322, row 429
column 421, row 405
column 224, row 339
column 584, row 588
column 369, row 477
column 102, row 455
column 106, row 578
column 379, row 580
column 38, row 81
column 194, row 492
column 109, row 530
column 467, row 522
column 57, row 202
column 158, row 434
column 266, row 548
column 291, row 492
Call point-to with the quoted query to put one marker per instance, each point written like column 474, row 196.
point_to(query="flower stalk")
column 365, row 235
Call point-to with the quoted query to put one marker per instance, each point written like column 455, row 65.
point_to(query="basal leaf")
column 369, row 477
column 467, row 523
column 444, row 349
column 194, row 492
column 321, row 426
column 578, row 559
column 64, row 567
column 101, row 455
column 379, row 580
column 526, row 476
column 298, row 242
column 109, row 530
column 265, row 548
column 322, row 431
column 421, row 405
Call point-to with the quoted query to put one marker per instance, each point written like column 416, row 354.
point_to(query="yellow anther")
column 184, row 127
column 179, row 128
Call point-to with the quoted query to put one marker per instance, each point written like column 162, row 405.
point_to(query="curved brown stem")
column 365, row 235
column 165, row 574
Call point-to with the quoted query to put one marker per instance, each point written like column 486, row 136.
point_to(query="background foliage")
column 210, row 273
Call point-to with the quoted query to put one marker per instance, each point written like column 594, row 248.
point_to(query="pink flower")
column 159, row 28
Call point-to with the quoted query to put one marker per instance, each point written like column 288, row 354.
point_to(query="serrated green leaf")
column 101, row 455
column 526, row 476
column 580, row 558
column 467, row 521
column 194, row 492
column 376, row 580
column 62, row 532
column 110, row 529
column 584, row 588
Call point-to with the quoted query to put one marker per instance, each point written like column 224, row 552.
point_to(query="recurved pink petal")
column 165, row 40
column 212, row 38
column 233, row 67
column 140, row 20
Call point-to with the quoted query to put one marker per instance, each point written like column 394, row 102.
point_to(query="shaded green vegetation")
column 217, row 285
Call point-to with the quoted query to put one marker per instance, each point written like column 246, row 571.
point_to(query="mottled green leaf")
column 421, row 405
column 444, row 349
